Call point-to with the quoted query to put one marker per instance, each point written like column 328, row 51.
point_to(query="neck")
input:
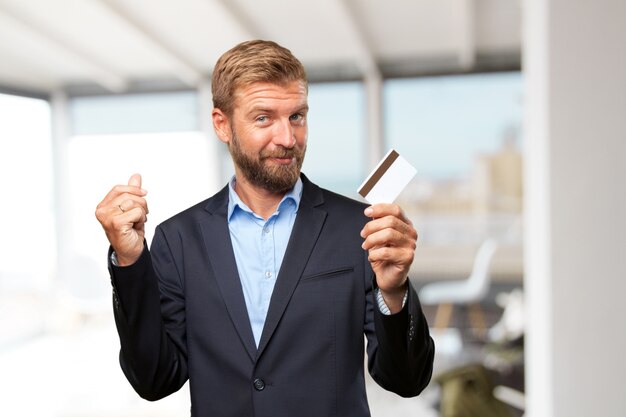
column 260, row 200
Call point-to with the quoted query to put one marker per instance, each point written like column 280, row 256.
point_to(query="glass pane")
column 444, row 122
column 134, row 113
column 336, row 153
column 462, row 133
column 26, row 219
column 27, row 246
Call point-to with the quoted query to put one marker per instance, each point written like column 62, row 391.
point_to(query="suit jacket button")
column 259, row 384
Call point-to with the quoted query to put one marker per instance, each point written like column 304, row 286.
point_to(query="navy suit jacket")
column 180, row 314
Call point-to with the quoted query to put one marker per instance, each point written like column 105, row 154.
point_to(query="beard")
column 270, row 177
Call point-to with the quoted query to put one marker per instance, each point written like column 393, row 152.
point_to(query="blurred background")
column 512, row 111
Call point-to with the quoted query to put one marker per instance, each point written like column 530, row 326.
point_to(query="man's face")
column 269, row 133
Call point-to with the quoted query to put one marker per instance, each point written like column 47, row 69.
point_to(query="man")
column 261, row 295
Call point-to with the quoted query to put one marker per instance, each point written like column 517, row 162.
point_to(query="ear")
column 221, row 125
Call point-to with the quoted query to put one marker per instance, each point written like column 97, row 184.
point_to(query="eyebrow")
column 259, row 109
column 304, row 107
column 263, row 109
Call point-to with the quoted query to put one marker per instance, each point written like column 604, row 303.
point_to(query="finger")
column 397, row 256
column 119, row 190
column 133, row 218
column 133, row 187
column 129, row 189
column 138, row 217
column 135, row 180
column 383, row 209
column 388, row 238
column 128, row 202
column 388, row 222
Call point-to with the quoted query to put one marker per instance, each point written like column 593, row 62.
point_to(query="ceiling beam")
column 22, row 92
column 467, row 34
column 365, row 57
column 246, row 25
column 182, row 68
column 99, row 72
column 372, row 78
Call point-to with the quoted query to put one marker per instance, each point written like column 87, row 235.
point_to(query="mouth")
column 280, row 159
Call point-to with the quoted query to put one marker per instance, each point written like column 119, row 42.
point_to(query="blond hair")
column 251, row 62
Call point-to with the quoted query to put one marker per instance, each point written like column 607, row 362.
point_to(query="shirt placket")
column 268, row 254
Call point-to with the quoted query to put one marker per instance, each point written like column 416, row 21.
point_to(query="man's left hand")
column 390, row 240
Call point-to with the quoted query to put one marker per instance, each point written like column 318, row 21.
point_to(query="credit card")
column 392, row 174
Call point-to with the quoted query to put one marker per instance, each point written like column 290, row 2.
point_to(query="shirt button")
column 266, row 229
column 259, row 384
column 268, row 274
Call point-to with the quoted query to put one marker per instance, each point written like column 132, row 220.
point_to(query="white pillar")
column 376, row 146
column 61, row 132
column 575, row 214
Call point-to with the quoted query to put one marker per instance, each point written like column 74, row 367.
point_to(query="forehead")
column 292, row 93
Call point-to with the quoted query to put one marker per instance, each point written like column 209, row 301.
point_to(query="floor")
column 74, row 372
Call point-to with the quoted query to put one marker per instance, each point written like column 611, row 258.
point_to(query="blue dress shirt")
column 259, row 246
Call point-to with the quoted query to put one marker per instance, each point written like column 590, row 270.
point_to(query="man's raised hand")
column 122, row 214
column 390, row 240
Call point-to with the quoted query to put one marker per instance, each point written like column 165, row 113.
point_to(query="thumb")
column 135, row 180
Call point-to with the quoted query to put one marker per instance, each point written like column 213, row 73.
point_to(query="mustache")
column 281, row 153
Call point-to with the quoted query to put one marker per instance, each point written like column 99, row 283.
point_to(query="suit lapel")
column 216, row 238
column 306, row 230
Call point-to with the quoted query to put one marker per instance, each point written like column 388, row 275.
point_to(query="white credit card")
column 388, row 179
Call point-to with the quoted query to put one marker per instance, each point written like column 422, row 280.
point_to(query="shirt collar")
column 295, row 194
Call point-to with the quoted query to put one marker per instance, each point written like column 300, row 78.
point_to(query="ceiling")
column 113, row 46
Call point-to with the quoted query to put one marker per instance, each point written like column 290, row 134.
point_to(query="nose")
column 284, row 135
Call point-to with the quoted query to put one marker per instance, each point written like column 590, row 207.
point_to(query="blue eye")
column 261, row 119
column 296, row 117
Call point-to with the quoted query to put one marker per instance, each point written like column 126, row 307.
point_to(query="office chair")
column 468, row 292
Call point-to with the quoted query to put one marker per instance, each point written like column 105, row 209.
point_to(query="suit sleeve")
column 148, row 305
column 400, row 349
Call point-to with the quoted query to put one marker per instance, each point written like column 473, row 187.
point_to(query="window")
column 27, row 221
column 444, row 122
column 462, row 133
column 155, row 135
column 27, row 246
column 336, row 157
